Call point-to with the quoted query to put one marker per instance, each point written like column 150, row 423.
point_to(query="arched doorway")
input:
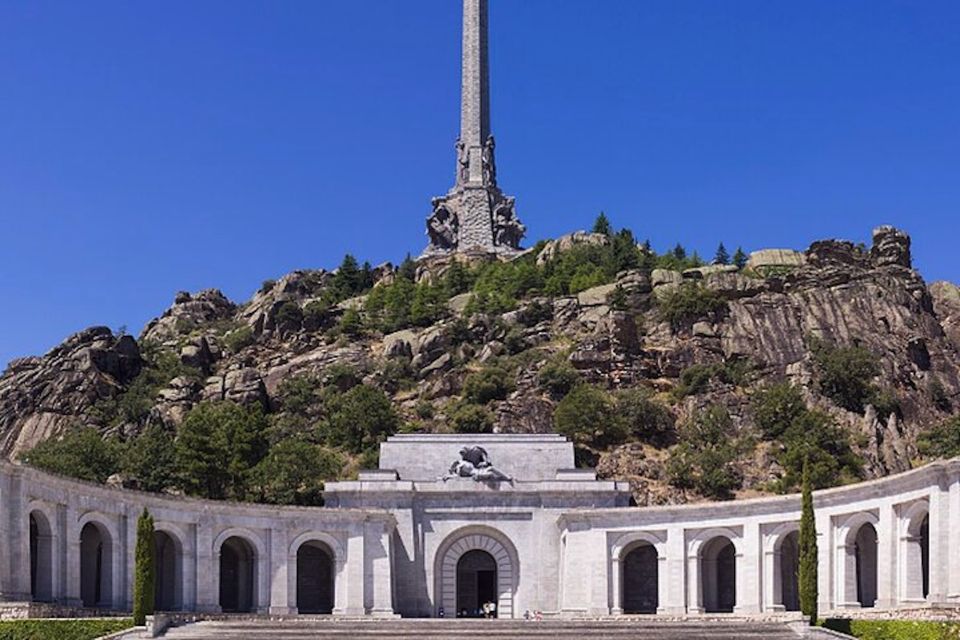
column 718, row 575
column 167, row 583
column 315, row 578
column 641, row 579
column 41, row 558
column 238, row 575
column 96, row 566
column 476, row 583
column 865, row 556
column 447, row 569
column 790, row 571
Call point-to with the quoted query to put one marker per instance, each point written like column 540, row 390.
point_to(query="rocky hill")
column 693, row 340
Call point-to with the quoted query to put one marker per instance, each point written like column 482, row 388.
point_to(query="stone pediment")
column 524, row 458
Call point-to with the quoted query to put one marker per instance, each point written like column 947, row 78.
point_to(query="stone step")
column 487, row 629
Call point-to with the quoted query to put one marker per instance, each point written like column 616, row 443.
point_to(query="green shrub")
column 239, row 339
column 267, row 285
column 689, row 302
column 694, row 380
column 293, row 473
column 144, row 571
column 776, row 407
column 359, row 419
column 289, row 316
column 82, row 453
column 79, row 629
column 845, row 374
column 894, row 629
column 217, row 446
column 488, row 384
column 643, row 417
column 316, row 315
column 705, row 458
column 941, row 441
column 351, row 324
column 804, row 435
column 558, row 377
column 472, row 418
column 587, row 415
column 150, row 459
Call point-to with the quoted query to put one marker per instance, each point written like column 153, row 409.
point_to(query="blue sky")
column 147, row 148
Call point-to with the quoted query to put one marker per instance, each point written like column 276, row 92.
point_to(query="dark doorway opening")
column 476, row 584
column 314, row 579
column 237, row 576
column 640, row 580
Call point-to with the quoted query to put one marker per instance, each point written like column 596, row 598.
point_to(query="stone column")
column 475, row 98
column 355, row 572
column 16, row 582
column 207, row 570
column 952, row 532
column 694, row 589
column 887, row 561
column 598, row 570
column 749, row 569
column 188, row 570
column 673, row 579
column 379, row 578
column 826, row 567
column 282, row 598
column 72, row 544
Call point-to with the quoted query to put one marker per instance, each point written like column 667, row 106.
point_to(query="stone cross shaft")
column 475, row 215
column 475, row 101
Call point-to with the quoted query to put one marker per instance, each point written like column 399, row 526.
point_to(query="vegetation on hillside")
column 704, row 421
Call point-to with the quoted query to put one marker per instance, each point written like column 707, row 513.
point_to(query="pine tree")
column 721, row 257
column 144, row 571
column 740, row 258
column 408, row 269
column 808, row 551
column 679, row 252
column 602, row 225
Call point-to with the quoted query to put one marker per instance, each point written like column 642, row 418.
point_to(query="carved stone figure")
column 507, row 229
column 489, row 162
column 463, row 162
column 475, row 463
column 442, row 227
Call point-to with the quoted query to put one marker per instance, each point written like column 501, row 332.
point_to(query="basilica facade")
column 450, row 523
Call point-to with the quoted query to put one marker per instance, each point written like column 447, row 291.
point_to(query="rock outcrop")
column 40, row 397
column 611, row 335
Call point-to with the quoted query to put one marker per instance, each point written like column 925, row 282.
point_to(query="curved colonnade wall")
column 560, row 547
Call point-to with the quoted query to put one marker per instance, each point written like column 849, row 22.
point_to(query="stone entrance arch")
column 455, row 547
column 96, row 566
column 41, row 557
column 640, row 581
column 718, row 575
column 168, row 564
column 238, row 576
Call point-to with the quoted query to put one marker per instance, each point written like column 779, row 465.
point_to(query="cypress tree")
column 808, row 551
column 144, row 598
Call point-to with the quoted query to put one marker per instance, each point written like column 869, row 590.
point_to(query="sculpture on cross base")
column 508, row 231
column 442, row 227
column 475, row 463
